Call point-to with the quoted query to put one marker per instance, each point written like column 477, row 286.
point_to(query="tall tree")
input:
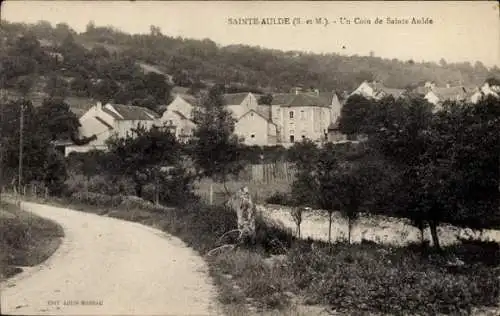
column 216, row 150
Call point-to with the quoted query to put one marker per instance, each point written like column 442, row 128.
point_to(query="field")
column 25, row 239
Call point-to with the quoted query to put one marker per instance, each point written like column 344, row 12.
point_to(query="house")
column 178, row 117
column 253, row 121
column 302, row 115
column 485, row 90
column 240, row 103
column 256, row 128
column 438, row 95
column 104, row 121
column 376, row 90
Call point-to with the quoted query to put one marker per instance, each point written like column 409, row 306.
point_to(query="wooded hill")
column 197, row 63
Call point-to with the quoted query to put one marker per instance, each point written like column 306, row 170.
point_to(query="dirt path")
column 118, row 267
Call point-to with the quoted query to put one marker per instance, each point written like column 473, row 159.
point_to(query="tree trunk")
column 299, row 230
column 434, row 233
column 138, row 189
column 349, row 228
column 329, row 227
column 422, row 234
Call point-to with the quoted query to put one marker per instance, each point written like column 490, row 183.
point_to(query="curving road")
column 107, row 266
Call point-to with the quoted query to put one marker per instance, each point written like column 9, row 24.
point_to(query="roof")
column 264, row 111
column 450, row 93
column 122, row 112
column 188, row 98
column 262, row 114
column 301, row 99
column 234, row 98
column 379, row 87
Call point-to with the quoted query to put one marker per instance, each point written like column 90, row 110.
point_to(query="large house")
column 101, row 122
column 303, row 115
column 376, row 90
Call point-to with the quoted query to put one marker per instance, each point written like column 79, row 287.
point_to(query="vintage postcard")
column 249, row 158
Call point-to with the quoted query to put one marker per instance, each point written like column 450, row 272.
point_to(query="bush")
column 279, row 198
column 96, row 199
column 371, row 278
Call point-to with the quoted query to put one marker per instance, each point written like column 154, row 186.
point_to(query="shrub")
column 373, row 278
column 279, row 198
column 96, row 199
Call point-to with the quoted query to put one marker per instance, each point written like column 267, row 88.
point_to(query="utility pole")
column 21, row 127
column 1, row 139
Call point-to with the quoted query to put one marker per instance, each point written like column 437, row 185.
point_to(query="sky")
column 461, row 31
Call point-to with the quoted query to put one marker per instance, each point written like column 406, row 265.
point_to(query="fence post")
column 34, row 190
column 24, row 190
column 46, row 192
column 211, row 194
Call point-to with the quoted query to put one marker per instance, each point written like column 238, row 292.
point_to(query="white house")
column 104, row 121
column 485, row 90
column 438, row 95
column 376, row 90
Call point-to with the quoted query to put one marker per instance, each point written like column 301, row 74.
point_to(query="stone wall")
column 380, row 229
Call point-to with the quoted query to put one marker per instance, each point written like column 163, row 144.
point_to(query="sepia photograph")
column 249, row 158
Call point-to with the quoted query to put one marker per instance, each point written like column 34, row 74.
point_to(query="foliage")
column 354, row 115
column 204, row 61
column 368, row 278
column 216, row 150
column 141, row 154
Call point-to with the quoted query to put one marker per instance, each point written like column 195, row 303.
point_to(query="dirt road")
column 108, row 266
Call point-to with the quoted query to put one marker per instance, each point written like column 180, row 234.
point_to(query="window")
column 292, row 138
column 302, row 115
column 291, row 114
column 252, row 136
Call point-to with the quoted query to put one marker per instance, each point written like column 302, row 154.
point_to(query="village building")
column 101, row 122
column 376, row 90
column 178, row 117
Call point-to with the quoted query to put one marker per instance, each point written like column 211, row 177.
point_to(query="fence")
column 31, row 190
column 268, row 173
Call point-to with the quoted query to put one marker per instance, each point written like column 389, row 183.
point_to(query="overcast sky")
column 462, row 31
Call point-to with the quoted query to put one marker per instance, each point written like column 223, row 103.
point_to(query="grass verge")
column 25, row 239
column 353, row 279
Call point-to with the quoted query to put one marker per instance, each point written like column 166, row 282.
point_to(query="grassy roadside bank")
column 25, row 239
column 353, row 279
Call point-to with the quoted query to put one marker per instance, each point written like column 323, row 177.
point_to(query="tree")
column 141, row 153
column 216, row 150
column 56, row 120
column 304, row 155
column 56, row 87
column 266, row 99
column 354, row 114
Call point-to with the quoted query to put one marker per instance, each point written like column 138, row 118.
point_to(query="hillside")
column 100, row 51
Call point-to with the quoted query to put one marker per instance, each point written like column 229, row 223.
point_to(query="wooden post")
column 24, row 190
column 34, row 190
column 211, row 194
column 46, row 192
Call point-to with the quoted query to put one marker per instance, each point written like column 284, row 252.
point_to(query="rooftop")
column 122, row 112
